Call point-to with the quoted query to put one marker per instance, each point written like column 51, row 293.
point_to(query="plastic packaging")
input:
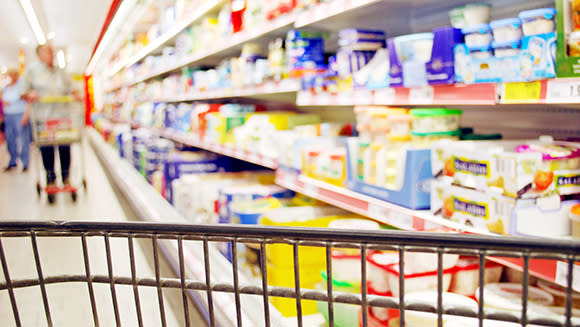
column 506, row 49
column 424, row 281
column 399, row 125
column 345, row 315
column 481, row 53
column 427, row 319
column 506, row 30
column 508, row 296
column 559, row 294
column 435, row 120
column 466, row 279
column 469, row 15
column 478, row 36
column 538, row 21
column 414, row 47
column 424, row 140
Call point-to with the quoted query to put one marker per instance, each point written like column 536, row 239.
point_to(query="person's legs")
column 48, row 162
column 25, row 140
column 64, row 153
column 12, row 138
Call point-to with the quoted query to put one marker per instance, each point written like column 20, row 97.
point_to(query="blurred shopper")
column 44, row 78
column 17, row 133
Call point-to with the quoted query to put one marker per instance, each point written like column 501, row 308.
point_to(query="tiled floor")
column 69, row 303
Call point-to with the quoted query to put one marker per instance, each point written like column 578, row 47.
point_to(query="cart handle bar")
column 56, row 99
column 447, row 240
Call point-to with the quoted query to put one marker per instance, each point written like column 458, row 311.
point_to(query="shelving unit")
column 558, row 91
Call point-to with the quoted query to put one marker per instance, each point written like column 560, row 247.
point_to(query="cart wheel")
column 73, row 195
column 38, row 189
column 50, row 198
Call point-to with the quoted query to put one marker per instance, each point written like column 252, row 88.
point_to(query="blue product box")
column 304, row 49
column 438, row 70
column 535, row 61
column 178, row 164
column 182, row 118
column 415, row 190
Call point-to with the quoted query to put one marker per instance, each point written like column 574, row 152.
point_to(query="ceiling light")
column 33, row 21
column 50, row 35
column 61, row 59
column 118, row 20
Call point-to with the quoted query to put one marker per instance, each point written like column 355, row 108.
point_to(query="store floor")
column 69, row 303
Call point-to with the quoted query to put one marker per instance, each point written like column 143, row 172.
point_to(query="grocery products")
column 345, row 315
column 538, row 21
column 304, row 50
column 449, row 301
column 520, row 169
column 466, row 278
column 559, row 294
column 425, row 58
column 575, row 220
column 470, row 14
column 435, row 120
column 478, row 36
column 506, row 49
column 506, row 30
column 508, row 297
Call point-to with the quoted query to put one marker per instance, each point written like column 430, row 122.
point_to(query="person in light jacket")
column 17, row 131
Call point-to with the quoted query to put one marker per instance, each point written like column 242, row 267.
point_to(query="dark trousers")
column 48, row 161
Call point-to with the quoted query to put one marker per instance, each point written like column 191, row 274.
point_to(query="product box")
column 518, row 169
column 220, row 125
column 438, row 70
column 567, row 46
column 414, row 191
column 535, row 61
column 485, row 210
column 187, row 163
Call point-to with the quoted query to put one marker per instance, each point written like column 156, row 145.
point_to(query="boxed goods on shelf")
column 304, row 52
column 568, row 43
column 491, row 211
column 413, row 173
column 509, row 50
column 422, row 59
column 198, row 205
column 519, row 169
column 230, row 195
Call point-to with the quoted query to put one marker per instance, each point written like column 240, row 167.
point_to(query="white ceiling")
column 76, row 25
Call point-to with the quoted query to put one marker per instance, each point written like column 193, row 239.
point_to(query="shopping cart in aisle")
column 55, row 121
column 430, row 308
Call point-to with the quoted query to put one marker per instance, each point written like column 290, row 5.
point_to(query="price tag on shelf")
column 322, row 99
column 384, row 96
column 522, row 92
column 344, row 98
column 363, row 97
column 304, row 98
column 562, row 275
column 563, row 91
column 254, row 157
column 310, row 190
column 288, row 179
column 421, row 95
column 378, row 212
column 269, row 87
column 400, row 220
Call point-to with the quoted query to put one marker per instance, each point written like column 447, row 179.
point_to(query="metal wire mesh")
column 207, row 236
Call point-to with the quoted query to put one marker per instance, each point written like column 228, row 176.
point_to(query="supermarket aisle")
column 18, row 201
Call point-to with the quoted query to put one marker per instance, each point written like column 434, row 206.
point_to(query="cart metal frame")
column 61, row 110
column 476, row 245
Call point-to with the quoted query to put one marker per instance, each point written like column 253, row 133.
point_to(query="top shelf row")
column 316, row 14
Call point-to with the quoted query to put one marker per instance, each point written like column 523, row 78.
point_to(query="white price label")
column 344, row 98
column 401, row 220
column 363, row 97
column 304, row 98
column 310, row 190
column 254, row 157
column 323, row 99
column 562, row 275
column 269, row 88
column 288, row 179
column 384, row 96
column 563, row 91
column 421, row 95
column 378, row 212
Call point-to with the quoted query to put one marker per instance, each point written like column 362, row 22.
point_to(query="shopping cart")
column 58, row 120
column 406, row 244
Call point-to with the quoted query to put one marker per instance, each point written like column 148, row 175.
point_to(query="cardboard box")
column 566, row 65
column 414, row 193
